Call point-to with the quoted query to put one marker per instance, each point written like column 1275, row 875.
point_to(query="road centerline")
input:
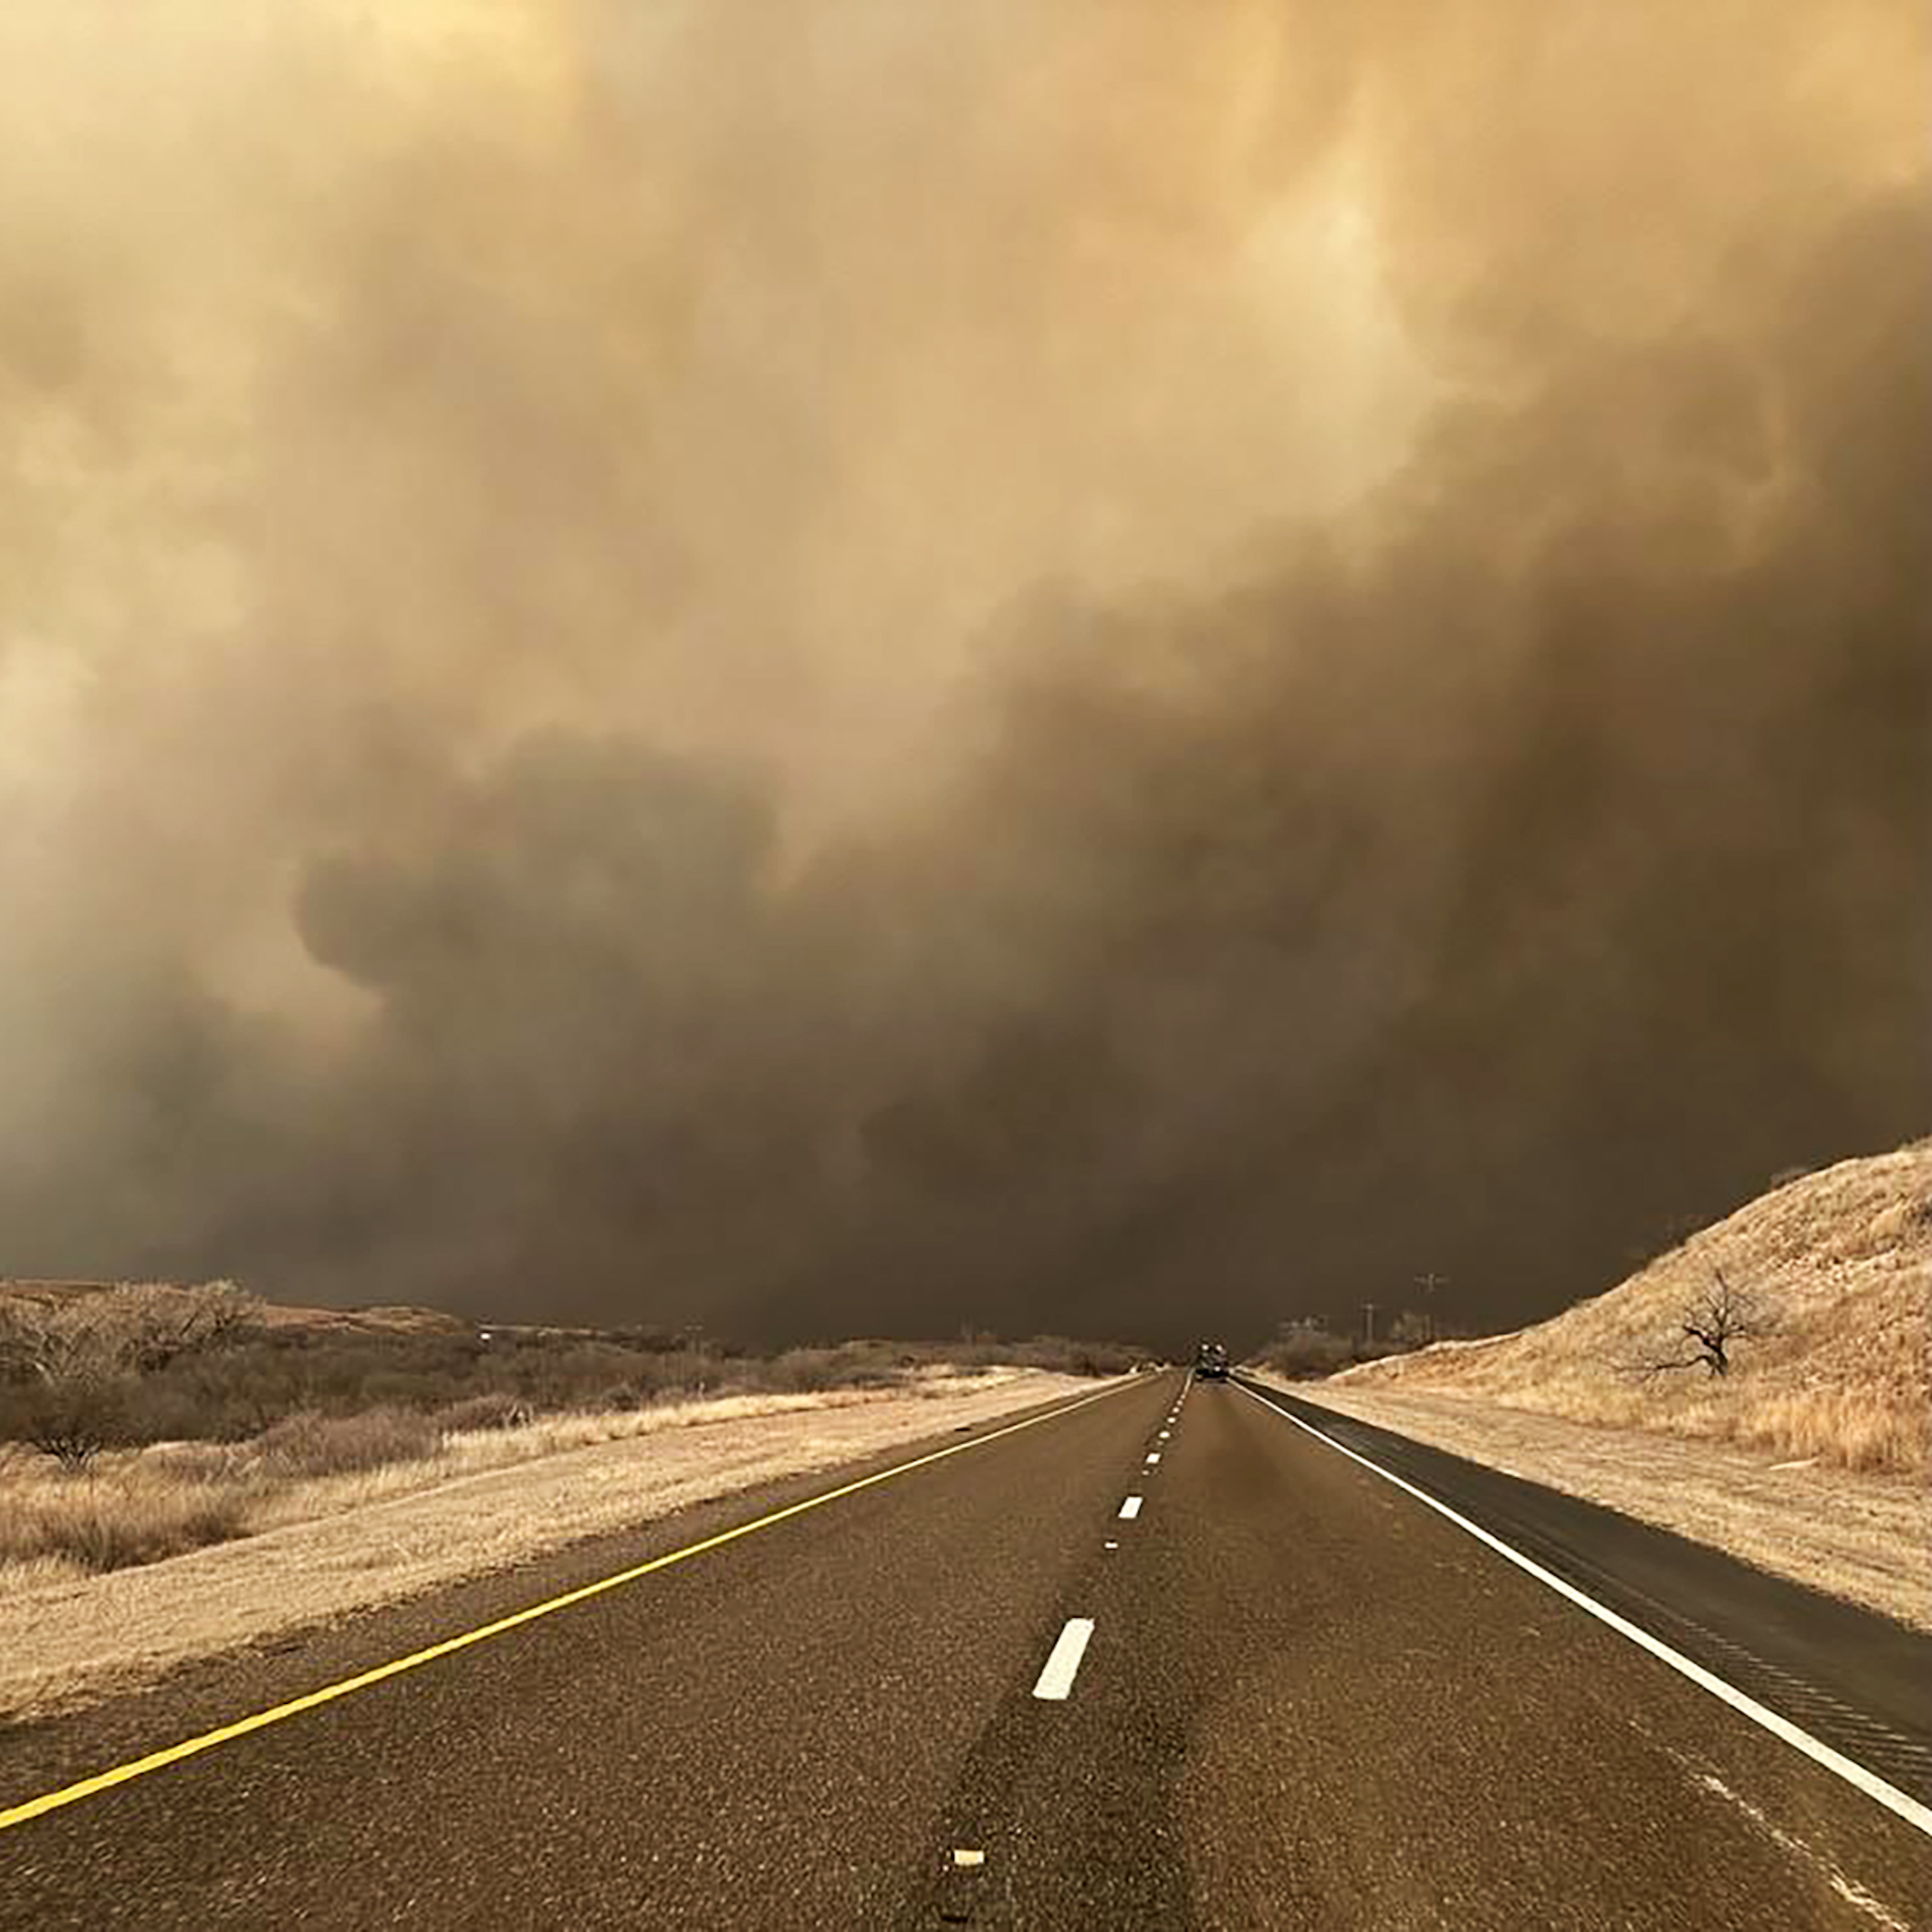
column 1062, row 1663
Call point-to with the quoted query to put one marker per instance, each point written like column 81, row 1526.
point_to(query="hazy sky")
column 1092, row 665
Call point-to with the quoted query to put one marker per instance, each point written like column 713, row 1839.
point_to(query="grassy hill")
column 1836, row 1266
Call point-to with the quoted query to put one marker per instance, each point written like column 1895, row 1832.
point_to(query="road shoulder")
column 1859, row 1537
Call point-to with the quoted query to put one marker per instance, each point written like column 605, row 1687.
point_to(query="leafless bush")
column 335, row 1445
column 1303, row 1351
column 104, row 1528
column 72, row 1419
column 1060, row 1355
column 153, row 1373
column 809, row 1371
column 496, row 1410
column 70, row 1366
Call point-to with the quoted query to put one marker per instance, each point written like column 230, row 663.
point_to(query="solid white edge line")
column 1900, row 1803
column 1062, row 1663
column 1130, row 1509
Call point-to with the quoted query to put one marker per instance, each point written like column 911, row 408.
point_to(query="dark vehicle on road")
column 1211, row 1363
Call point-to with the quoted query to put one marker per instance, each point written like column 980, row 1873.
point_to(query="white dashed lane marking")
column 1062, row 1663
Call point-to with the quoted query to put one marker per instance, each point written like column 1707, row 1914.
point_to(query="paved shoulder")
column 1858, row 1681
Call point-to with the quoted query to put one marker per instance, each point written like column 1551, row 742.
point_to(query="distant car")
column 1211, row 1363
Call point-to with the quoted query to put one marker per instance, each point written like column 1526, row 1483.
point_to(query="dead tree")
column 1706, row 1330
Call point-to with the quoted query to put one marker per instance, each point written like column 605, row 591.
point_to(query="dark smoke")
column 1489, row 874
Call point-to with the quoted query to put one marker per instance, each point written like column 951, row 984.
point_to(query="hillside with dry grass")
column 1836, row 1269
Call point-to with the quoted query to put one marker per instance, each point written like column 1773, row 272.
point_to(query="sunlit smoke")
column 864, row 666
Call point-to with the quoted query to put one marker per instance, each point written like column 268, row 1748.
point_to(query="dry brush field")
column 141, row 1421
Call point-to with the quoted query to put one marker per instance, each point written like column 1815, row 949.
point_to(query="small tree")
column 1706, row 1330
column 71, row 1363
column 1305, row 1348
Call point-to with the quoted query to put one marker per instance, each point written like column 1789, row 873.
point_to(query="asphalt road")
column 1285, row 1693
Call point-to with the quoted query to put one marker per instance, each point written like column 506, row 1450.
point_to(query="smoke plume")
column 1109, row 667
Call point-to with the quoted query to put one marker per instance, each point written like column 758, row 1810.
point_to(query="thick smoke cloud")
column 1101, row 667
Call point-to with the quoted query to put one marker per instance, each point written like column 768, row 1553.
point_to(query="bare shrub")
column 669, row 1373
column 309, row 1444
column 71, row 1419
column 808, row 1371
column 104, row 1526
column 1062, row 1355
column 70, row 1365
column 497, row 1409
column 140, row 1365
column 1305, row 1351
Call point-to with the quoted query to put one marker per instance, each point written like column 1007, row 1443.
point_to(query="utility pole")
column 1429, row 1283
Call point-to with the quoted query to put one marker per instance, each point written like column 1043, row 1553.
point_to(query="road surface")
column 1278, row 1691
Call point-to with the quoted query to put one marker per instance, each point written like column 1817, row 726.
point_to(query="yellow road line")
column 121, row 1774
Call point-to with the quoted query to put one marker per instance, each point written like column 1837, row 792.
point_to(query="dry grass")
column 86, row 1525
column 142, row 1505
column 323, row 1547
column 1839, row 1262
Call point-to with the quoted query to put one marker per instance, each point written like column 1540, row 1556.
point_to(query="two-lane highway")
column 1161, row 1657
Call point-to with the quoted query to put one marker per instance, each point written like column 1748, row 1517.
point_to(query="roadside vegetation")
column 1304, row 1348
column 138, row 1421
column 1798, row 1328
